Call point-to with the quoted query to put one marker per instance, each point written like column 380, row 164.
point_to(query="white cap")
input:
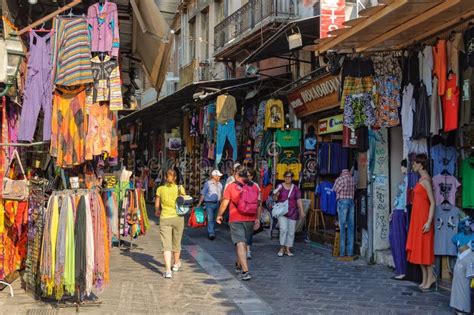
column 236, row 165
column 216, row 173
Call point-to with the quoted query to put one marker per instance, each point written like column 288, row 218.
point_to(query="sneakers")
column 245, row 276
column 212, row 237
column 249, row 255
column 176, row 267
column 168, row 275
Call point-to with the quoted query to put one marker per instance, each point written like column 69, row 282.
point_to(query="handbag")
column 193, row 220
column 15, row 189
column 183, row 204
column 281, row 208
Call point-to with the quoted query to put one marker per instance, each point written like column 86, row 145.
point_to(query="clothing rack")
column 48, row 17
column 24, row 144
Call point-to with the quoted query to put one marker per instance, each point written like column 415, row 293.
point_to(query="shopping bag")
column 200, row 215
column 192, row 221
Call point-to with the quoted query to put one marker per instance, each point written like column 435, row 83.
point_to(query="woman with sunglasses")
column 287, row 223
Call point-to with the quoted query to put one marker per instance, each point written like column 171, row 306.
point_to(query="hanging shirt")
column 328, row 202
column 455, row 45
column 444, row 159
column 469, row 45
column 288, row 138
column 445, row 187
column 436, row 114
column 104, row 28
column 107, row 83
column 440, row 66
column 446, row 220
column 226, row 108
column 426, row 67
column 451, row 104
column 274, row 114
column 467, row 173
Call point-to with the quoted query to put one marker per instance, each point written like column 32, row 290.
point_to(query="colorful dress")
column 420, row 246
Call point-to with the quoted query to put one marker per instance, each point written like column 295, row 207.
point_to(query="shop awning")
column 152, row 40
column 277, row 44
column 396, row 24
column 170, row 107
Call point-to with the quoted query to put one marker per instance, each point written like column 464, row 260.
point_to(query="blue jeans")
column 211, row 211
column 345, row 211
column 225, row 132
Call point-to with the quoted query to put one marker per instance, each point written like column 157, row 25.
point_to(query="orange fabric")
column 440, row 65
column 451, row 104
column 420, row 246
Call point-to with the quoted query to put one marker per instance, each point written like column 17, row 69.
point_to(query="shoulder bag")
column 15, row 189
column 281, row 208
column 183, row 204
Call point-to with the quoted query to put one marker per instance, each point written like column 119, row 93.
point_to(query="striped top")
column 71, row 52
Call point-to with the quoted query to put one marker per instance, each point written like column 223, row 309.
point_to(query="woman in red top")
column 420, row 242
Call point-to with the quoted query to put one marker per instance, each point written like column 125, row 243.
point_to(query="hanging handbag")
column 15, row 189
column 281, row 208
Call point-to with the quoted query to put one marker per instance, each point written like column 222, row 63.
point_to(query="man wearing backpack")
column 244, row 216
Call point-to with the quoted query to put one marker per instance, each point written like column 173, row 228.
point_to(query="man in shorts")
column 241, row 226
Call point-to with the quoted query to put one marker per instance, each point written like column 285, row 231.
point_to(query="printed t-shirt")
column 288, row 138
column 293, row 213
column 232, row 193
column 455, row 45
column 467, row 173
column 469, row 42
column 226, row 108
column 444, row 159
column 451, row 104
column 282, row 168
column 440, row 66
column 445, row 187
column 328, row 201
column 446, row 226
column 274, row 114
column 168, row 194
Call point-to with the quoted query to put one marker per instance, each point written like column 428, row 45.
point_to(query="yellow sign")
column 330, row 124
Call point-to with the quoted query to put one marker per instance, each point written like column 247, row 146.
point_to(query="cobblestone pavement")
column 311, row 282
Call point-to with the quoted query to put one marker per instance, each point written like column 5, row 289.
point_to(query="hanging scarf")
column 61, row 250
column 69, row 267
column 89, row 248
column 80, row 245
column 100, row 239
column 46, row 265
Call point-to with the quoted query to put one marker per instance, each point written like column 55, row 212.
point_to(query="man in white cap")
column 211, row 195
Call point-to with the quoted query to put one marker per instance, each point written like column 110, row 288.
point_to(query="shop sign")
column 315, row 96
column 330, row 124
column 333, row 15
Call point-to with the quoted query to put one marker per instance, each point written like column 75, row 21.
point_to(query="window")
column 192, row 39
column 219, row 11
column 204, row 41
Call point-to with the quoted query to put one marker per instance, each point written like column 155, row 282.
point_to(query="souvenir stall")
column 427, row 90
column 62, row 91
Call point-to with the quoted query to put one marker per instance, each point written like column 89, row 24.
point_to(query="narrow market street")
column 311, row 282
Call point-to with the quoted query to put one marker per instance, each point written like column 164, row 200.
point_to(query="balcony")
column 250, row 17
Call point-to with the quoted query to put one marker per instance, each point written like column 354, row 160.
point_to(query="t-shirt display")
column 467, row 173
column 444, row 159
column 446, row 226
column 288, row 138
column 451, row 104
column 274, row 114
column 328, row 202
column 445, row 187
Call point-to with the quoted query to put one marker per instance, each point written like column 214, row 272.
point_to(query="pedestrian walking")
column 242, row 198
column 171, row 225
column 287, row 223
column 344, row 186
column 231, row 178
column 211, row 195
column 252, row 176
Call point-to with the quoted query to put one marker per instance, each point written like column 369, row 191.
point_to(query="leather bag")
column 15, row 189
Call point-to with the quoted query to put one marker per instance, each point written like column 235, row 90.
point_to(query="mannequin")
column 420, row 241
column 399, row 226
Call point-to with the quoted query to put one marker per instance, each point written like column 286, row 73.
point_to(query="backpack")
column 248, row 201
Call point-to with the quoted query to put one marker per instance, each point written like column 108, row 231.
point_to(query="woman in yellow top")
column 171, row 225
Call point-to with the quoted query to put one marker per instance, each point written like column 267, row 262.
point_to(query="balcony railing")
column 249, row 16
